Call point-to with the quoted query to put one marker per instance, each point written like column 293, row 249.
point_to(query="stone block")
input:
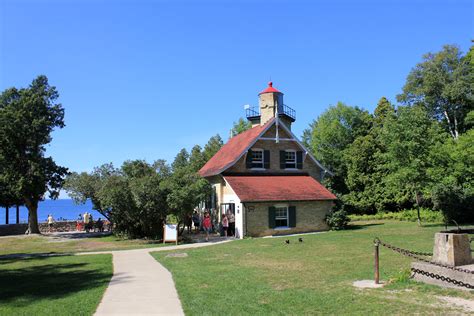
column 452, row 249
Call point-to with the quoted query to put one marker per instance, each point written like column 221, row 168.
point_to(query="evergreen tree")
column 241, row 126
column 212, row 147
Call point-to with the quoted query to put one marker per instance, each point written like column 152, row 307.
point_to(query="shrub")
column 454, row 202
column 337, row 219
column 427, row 215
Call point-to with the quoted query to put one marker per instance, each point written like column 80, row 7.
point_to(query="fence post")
column 376, row 245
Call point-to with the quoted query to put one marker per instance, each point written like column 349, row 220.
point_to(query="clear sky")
column 143, row 79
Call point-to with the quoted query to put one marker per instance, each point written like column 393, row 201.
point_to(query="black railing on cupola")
column 254, row 112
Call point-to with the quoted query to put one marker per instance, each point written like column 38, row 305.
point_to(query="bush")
column 454, row 202
column 337, row 219
column 426, row 215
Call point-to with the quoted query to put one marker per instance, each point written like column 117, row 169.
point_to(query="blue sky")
column 143, row 79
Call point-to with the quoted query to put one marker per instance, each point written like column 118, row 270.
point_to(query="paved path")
column 140, row 284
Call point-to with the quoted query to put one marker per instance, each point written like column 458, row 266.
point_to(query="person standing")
column 189, row 223
column 231, row 218
column 196, row 221
column 86, row 221
column 50, row 222
column 225, row 224
column 206, row 223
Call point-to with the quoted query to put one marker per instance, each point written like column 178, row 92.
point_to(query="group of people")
column 86, row 222
column 226, row 226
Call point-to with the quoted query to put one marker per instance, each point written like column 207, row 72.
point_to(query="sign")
column 170, row 233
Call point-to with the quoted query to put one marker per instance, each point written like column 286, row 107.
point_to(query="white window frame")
column 262, row 161
column 287, row 218
column 286, row 161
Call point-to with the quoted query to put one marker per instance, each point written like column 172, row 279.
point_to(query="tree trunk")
column 456, row 133
column 417, row 198
column 32, row 206
column 449, row 124
column 18, row 214
column 7, row 214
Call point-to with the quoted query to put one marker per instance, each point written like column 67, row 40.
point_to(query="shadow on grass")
column 78, row 235
column 48, row 281
column 13, row 257
column 362, row 226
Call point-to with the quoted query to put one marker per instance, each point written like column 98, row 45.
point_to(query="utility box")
column 452, row 249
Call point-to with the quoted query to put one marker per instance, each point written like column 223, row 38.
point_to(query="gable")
column 235, row 148
column 271, row 133
column 232, row 155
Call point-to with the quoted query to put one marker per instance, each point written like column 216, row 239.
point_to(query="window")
column 281, row 216
column 257, row 158
column 290, row 159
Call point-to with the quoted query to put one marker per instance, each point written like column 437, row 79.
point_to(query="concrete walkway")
column 140, row 285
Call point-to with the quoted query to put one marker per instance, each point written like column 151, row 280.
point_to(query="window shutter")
column 282, row 159
column 271, row 217
column 248, row 159
column 292, row 216
column 299, row 159
column 266, row 159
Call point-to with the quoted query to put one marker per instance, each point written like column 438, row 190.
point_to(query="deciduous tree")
column 28, row 116
column 442, row 83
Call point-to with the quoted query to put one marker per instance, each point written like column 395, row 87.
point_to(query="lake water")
column 60, row 209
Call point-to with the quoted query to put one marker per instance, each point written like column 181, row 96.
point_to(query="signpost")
column 170, row 233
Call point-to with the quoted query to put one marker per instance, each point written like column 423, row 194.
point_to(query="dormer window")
column 290, row 159
column 258, row 159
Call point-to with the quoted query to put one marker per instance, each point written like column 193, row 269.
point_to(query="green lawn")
column 267, row 276
column 48, row 244
column 64, row 285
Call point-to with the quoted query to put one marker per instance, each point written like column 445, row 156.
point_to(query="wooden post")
column 376, row 244
column 7, row 214
column 18, row 214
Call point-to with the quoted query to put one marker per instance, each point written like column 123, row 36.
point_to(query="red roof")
column 270, row 89
column 278, row 188
column 232, row 151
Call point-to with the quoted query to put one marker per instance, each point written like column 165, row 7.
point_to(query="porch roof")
column 262, row 188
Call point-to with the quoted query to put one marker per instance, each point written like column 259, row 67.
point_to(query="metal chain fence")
column 416, row 255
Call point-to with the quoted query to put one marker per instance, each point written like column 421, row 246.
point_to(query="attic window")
column 257, row 158
column 290, row 159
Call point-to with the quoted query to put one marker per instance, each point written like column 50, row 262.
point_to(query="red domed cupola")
column 270, row 89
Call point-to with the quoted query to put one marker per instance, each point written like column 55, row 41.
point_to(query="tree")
column 196, row 159
column 331, row 133
column 212, row 147
column 409, row 139
column 241, row 126
column 181, row 160
column 364, row 165
column 186, row 188
column 28, row 116
column 133, row 197
column 452, row 173
column 83, row 186
column 442, row 83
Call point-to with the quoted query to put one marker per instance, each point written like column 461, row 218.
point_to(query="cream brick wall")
column 309, row 217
